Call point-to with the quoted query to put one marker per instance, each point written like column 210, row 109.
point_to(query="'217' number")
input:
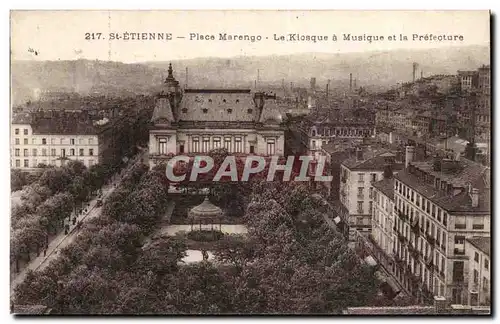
column 91, row 36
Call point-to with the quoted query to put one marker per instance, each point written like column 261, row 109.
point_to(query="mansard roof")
column 162, row 113
column 218, row 105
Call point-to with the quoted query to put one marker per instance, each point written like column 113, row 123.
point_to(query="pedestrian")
column 45, row 252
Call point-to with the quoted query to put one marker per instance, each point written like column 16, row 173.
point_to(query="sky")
column 60, row 35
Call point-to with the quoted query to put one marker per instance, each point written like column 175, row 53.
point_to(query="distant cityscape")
column 410, row 195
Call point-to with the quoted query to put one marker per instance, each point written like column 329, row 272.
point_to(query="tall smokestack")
column 258, row 76
column 421, row 74
column 415, row 66
column 327, row 88
column 355, row 83
column 350, row 82
column 186, row 85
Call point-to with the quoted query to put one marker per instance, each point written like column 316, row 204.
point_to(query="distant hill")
column 380, row 69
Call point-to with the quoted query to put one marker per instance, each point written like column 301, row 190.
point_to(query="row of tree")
column 81, row 279
column 47, row 203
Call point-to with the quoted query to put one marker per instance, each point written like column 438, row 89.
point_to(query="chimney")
column 410, row 151
column 359, row 154
column 474, row 196
column 350, row 82
column 439, row 304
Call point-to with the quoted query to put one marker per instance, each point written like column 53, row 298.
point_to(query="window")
column 25, row 152
column 91, row 141
column 370, row 193
column 373, row 177
column 33, row 141
column 35, row 163
column 26, row 164
column 478, row 223
column 63, row 152
column 250, row 110
column 16, row 131
column 72, row 152
column 271, row 147
column 486, row 284
column 181, row 148
column 91, row 152
column 61, row 141
column 360, row 207
column 25, row 141
column 162, row 146
column 476, row 257
column 196, row 144
column 44, row 152
column 252, row 149
column 17, row 152
column 81, row 152
column 44, row 141
column 229, row 111
column 205, row 110
column 486, row 264
column 360, row 192
column 370, row 207
column 313, row 145
column 206, row 144
column 459, row 245
column 227, row 144
column 72, row 141
column 25, row 131
column 217, row 142
column 238, row 147
column 445, row 219
column 18, row 163
column 17, row 141
column 53, row 152
column 361, row 177
column 80, row 141
column 52, row 141
column 35, row 152
column 460, row 222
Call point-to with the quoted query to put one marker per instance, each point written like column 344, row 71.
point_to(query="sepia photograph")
column 250, row 162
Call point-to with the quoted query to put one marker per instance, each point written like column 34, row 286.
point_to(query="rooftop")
column 386, row 186
column 481, row 243
column 373, row 159
column 459, row 199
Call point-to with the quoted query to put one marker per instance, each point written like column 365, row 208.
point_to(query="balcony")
column 459, row 251
column 477, row 226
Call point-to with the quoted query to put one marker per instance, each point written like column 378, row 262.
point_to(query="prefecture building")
column 194, row 121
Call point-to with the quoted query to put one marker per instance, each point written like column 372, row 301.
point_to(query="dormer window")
column 250, row 111
column 237, row 100
column 224, row 100
column 184, row 110
column 210, row 100
column 205, row 110
column 229, row 111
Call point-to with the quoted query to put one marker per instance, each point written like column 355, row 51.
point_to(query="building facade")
column 438, row 205
column 194, row 121
column 358, row 174
column 36, row 143
column 478, row 252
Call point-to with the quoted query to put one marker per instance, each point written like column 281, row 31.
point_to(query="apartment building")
column 383, row 219
column 478, row 252
column 52, row 141
column 439, row 203
column 356, row 186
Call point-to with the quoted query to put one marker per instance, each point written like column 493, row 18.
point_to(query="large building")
column 48, row 139
column 357, row 176
column 439, row 203
column 478, row 252
column 193, row 121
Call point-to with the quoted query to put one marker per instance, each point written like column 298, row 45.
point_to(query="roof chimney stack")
column 474, row 196
column 410, row 152
column 359, row 154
